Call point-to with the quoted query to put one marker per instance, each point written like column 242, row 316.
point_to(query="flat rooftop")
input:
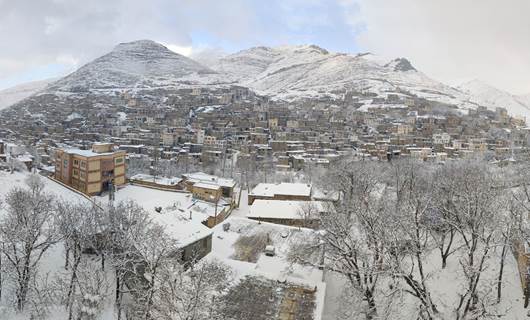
column 271, row 189
column 276, row 209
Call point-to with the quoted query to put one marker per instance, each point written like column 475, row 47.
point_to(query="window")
column 76, row 162
column 65, row 162
column 82, row 174
column 83, row 164
column 75, row 172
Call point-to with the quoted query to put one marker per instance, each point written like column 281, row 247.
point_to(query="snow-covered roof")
column 86, row 153
column 206, row 185
column 178, row 225
column 276, row 209
column 158, row 180
column 176, row 210
column 271, row 189
column 197, row 177
column 25, row 157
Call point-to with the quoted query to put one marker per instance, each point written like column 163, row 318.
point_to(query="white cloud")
column 183, row 50
column 39, row 33
column 447, row 39
column 452, row 39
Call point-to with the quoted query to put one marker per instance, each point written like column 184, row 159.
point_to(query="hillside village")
column 224, row 129
column 349, row 204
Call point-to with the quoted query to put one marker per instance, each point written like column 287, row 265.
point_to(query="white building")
column 441, row 138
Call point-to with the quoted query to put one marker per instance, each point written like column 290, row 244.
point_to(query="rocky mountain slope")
column 287, row 73
column 14, row 94
column 138, row 64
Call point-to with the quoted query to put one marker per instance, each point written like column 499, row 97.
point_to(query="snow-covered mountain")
column 142, row 63
column 285, row 72
column 290, row 72
column 491, row 97
column 15, row 94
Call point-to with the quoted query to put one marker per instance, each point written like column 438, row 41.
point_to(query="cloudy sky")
column 450, row 40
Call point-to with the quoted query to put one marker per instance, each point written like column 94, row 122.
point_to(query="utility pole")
column 224, row 160
column 111, row 193
column 156, row 156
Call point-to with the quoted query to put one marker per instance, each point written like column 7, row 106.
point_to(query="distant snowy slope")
column 525, row 98
column 491, row 97
column 14, row 94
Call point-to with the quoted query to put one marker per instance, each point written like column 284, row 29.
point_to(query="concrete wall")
column 93, row 188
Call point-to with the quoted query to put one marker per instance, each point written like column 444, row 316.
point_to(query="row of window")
column 81, row 174
column 77, row 163
column 83, row 163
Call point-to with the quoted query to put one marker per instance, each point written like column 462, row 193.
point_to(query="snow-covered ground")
column 17, row 179
column 274, row 268
column 52, row 264
column 443, row 283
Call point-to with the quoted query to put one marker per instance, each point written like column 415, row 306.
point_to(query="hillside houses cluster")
column 231, row 128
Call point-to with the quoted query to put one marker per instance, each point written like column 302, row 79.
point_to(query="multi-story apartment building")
column 91, row 171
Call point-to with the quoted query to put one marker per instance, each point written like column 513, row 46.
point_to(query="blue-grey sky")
column 450, row 40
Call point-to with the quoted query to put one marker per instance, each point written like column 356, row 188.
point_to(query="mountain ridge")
column 290, row 73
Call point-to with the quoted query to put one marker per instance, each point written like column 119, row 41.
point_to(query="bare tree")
column 137, row 165
column 93, row 289
column 154, row 247
column 26, row 232
column 440, row 221
column 138, row 249
column 511, row 229
column 117, row 226
column 78, row 227
column 355, row 229
column 476, row 206
column 409, row 235
column 309, row 213
column 193, row 294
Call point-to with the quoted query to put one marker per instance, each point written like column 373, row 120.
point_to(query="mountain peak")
column 138, row 63
column 302, row 48
column 312, row 48
column 140, row 45
column 401, row 64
